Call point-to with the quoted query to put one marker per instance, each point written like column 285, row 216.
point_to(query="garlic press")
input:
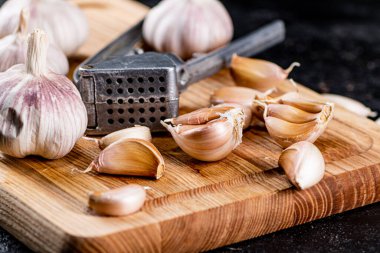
column 123, row 86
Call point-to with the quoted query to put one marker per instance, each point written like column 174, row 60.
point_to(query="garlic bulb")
column 292, row 118
column 13, row 50
column 136, row 132
column 303, row 164
column 351, row 105
column 208, row 134
column 258, row 74
column 118, row 202
column 131, row 157
column 64, row 23
column 41, row 113
column 185, row 27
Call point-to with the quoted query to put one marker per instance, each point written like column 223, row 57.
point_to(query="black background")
column 338, row 45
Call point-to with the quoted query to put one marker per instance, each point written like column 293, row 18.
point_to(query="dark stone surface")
column 338, row 44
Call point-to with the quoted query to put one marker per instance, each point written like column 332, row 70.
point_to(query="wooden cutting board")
column 196, row 206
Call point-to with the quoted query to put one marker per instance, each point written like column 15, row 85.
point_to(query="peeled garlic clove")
column 42, row 113
column 13, row 50
column 351, row 105
column 118, row 202
column 247, row 111
column 303, row 164
column 258, row 74
column 212, row 141
column 131, row 157
column 64, row 23
column 287, row 133
column 136, row 132
column 183, row 27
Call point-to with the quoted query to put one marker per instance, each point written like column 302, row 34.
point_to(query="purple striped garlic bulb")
column 186, row 27
column 13, row 50
column 41, row 113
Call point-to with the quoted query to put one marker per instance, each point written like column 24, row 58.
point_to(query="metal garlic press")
column 123, row 86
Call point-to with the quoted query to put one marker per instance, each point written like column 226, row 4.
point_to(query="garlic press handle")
column 253, row 43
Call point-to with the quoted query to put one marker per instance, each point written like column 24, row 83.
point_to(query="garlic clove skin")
column 13, row 50
column 42, row 113
column 350, row 105
column 290, row 114
column 258, row 74
column 183, row 27
column 64, row 23
column 295, row 99
column 247, row 111
column 303, row 164
column 131, row 157
column 136, row 132
column 118, row 202
column 212, row 141
column 378, row 121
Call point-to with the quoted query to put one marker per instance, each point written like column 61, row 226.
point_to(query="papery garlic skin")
column 41, row 113
column 13, row 51
column 136, row 132
column 303, row 164
column 64, row 23
column 185, row 27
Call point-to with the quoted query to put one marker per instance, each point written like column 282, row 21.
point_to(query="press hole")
column 162, row 109
column 141, row 90
column 162, row 118
column 162, row 99
column 151, row 89
column 120, row 90
column 152, row 119
column 109, row 101
column 142, row 120
column 110, row 111
column 141, row 100
column 120, row 101
column 119, row 81
column 130, row 90
column 110, row 121
column 121, row 111
column 121, row 121
column 131, row 110
column 140, row 79
column 162, row 79
column 109, row 91
column 109, row 81
column 131, row 120
column 130, row 101
column 151, row 100
column 141, row 110
column 162, row 89
column 152, row 109
column 130, row 80
column 151, row 79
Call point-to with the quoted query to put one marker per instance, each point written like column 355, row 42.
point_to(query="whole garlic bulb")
column 65, row 23
column 13, row 50
column 185, row 27
column 41, row 113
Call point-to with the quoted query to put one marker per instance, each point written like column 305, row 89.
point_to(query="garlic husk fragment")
column 64, row 23
column 118, row 202
column 303, row 164
column 41, row 113
column 130, row 157
column 136, row 132
column 258, row 74
column 186, row 27
column 212, row 140
column 351, row 105
column 247, row 111
column 13, row 50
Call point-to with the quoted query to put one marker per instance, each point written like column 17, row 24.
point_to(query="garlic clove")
column 290, row 114
column 132, row 157
column 118, row 202
column 351, row 105
column 295, row 99
column 378, row 121
column 303, row 164
column 136, row 132
column 212, row 141
column 258, row 74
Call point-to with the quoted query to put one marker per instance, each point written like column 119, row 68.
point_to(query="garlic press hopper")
column 122, row 86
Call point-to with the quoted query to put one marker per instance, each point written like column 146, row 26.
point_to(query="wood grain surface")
column 195, row 206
